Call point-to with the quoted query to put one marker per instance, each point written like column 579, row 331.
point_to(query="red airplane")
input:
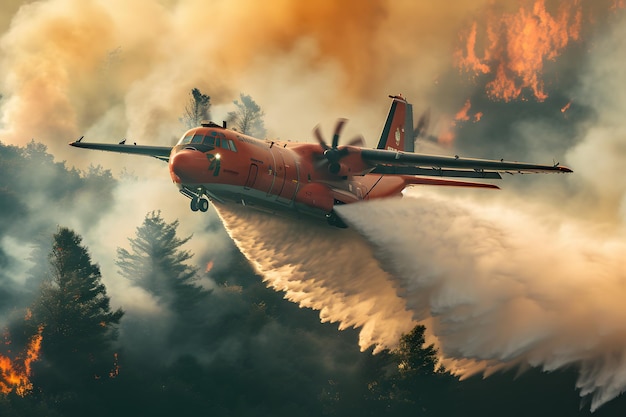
column 211, row 162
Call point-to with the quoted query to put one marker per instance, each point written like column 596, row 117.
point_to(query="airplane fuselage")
column 281, row 177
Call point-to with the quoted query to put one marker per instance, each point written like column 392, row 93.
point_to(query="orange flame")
column 209, row 267
column 447, row 137
column 15, row 376
column 114, row 373
column 519, row 45
column 462, row 114
column 618, row 4
column 566, row 107
column 471, row 61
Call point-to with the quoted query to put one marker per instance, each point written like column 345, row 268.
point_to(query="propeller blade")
column 357, row 141
column 321, row 163
column 320, row 139
column 338, row 128
column 332, row 155
column 422, row 124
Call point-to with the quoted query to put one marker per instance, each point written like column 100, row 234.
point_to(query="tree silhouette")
column 79, row 327
column 156, row 263
column 196, row 109
column 248, row 118
column 420, row 382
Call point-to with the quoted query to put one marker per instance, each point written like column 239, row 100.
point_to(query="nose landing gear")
column 198, row 202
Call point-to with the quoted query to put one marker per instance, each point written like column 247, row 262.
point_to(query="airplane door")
column 252, row 173
column 278, row 173
column 290, row 186
column 285, row 182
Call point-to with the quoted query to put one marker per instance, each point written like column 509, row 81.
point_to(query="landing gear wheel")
column 203, row 205
column 335, row 220
column 195, row 204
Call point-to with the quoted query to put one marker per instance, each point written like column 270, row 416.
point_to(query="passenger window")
column 232, row 145
column 197, row 138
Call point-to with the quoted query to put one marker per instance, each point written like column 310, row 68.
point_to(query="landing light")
column 218, row 156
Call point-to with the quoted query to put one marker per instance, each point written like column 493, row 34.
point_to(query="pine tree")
column 420, row 382
column 196, row 109
column 79, row 327
column 156, row 264
column 248, row 118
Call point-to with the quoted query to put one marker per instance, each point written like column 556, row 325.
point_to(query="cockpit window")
column 185, row 140
column 210, row 139
column 213, row 138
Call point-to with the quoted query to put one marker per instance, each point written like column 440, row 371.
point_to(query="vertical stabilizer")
column 398, row 131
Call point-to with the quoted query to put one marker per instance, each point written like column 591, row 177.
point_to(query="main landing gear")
column 334, row 220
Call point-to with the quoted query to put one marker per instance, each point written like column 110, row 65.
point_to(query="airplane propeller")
column 333, row 154
column 421, row 129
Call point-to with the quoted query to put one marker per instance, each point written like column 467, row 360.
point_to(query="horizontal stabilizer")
column 449, row 183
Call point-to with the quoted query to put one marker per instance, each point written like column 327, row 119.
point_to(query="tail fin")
column 398, row 132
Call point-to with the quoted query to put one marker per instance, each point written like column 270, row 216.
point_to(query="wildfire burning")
column 618, row 4
column 517, row 47
column 15, row 374
column 115, row 372
column 566, row 107
column 462, row 114
column 447, row 136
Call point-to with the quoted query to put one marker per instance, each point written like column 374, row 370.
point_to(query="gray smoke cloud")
column 601, row 154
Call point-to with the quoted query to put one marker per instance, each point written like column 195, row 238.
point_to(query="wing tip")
column 75, row 143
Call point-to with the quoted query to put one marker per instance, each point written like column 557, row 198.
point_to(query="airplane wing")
column 159, row 152
column 405, row 163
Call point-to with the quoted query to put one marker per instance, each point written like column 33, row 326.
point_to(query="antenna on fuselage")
column 224, row 124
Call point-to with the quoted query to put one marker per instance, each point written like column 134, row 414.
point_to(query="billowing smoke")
column 114, row 70
column 600, row 185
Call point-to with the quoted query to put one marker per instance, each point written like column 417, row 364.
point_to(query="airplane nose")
column 189, row 166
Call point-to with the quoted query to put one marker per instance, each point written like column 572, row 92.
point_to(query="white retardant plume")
column 323, row 268
column 505, row 289
column 498, row 288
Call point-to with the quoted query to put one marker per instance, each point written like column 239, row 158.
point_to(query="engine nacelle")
column 337, row 168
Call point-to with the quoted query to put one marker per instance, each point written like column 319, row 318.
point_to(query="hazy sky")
column 526, row 80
